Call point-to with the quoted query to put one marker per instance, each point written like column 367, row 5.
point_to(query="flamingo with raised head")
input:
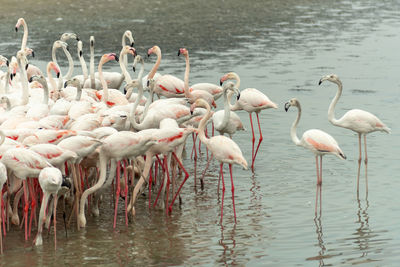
column 251, row 100
column 360, row 121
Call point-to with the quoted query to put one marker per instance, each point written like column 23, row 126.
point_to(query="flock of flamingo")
column 74, row 138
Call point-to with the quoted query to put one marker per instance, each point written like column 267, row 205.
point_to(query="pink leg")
column 212, row 123
column 168, row 182
column 126, row 191
column 54, row 221
column 252, row 140
column 33, row 204
column 233, row 192
column 26, row 208
column 194, row 137
column 184, row 180
column 223, row 190
column 259, row 142
column 316, row 197
column 150, row 183
column 359, row 163
column 118, row 184
column 1, row 220
column 162, row 183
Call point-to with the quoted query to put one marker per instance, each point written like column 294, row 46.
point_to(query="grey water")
column 281, row 48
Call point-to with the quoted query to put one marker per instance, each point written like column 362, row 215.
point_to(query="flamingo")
column 50, row 180
column 166, row 85
column 251, row 100
column 24, row 163
column 224, row 149
column 317, row 141
column 192, row 96
column 21, row 21
column 360, row 121
column 127, row 35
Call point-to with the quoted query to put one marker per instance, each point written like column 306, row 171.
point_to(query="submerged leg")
column 233, row 192
column 223, row 190
column 252, row 140
column 184, row 180
column 359, row 163
column 366, row 164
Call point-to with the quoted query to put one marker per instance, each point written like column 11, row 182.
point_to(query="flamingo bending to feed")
column 251, row 100
column 50, row 180
column 360, row 121
column 224, row 149
column 317, row 141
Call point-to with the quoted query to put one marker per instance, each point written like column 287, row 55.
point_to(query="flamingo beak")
column 221, row 82
column 116, row 58
column 58, row 74
column 33, row 54
column 80, row 53
column 132, row 44
column 7, row 63
column 16, row 29
column 26, row 66
column 91, row 43
column 134, row 69
column 179, row 53
column 238, row 96
column 287, row 105
column 66, row 84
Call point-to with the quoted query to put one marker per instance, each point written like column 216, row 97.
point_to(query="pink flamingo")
column 196, row 94
column 166, row 85
column 50, row 180
column 24, row 163
column 224, row 149
column 317, row 141
column 360, row 121
column 251, row 100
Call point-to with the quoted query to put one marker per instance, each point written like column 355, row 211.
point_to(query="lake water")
column 281, row 48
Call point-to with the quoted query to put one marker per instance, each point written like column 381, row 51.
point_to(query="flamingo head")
column 228, row 76
column 292, row 102
column 332, row 78
column 138, row 59
column 19, row 23
column 199, row 103
column 183, row 51
column 80, row 47
column 69, row 35
column 4, row 61
column 53, row 66
column 128, row 34
column 60, row 44
column 110, row 56
column 92, row 41
column 152, row 50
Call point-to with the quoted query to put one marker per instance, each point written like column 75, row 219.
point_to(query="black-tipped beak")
column 148, row 55
column 148, row 83
column 66, row 182
column 134, row 69
column 116, row 58
column 179, row 53
column 33, row 54
column 125, row 91
column 191, row 112
column 58, row 74
column 65, row 84
column 30, row 79
column 12, row 76
column 26, row 66
column 238, row 97
column 320, row 81
column 77, row 39
column 80, row 53
column 92, row 43
column 16, row 29
column 220, row 82
column 287, row 105
column 133, row 43
column 7, row 63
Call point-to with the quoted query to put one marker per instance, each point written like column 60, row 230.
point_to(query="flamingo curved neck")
column 134, row 124
column 6, row 88
column 293, row 129
column 103, row 82
column 149, row 101
column 25, row 36
column 51, row 80
column 156, row 65
column 202, row 125
column 237, row 79
column 123, row 63
column 78, row 92
column 331, row 110
column 70, row 64
column 24, row 81
column 227, row 111
column 186, row 79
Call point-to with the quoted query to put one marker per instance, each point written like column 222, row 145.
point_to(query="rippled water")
column 282, row 48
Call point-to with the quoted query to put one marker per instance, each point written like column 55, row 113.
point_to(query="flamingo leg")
column 118, row 184
column 33, row 204
column 26, row 208
column 1, row 219
column 320, row 171
column 316, row 196
column 150, row 183
column 259, row 142
column 359, row 163
column 223, row 190
column 233, row 192
column 184, row 180
column 168, row 182
column 54, row 220
column 204, row 172
column 126, row 191
column 366, row 164
column 162, row 182
column 252, row 140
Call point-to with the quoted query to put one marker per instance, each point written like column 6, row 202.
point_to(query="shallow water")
column 282, row 48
